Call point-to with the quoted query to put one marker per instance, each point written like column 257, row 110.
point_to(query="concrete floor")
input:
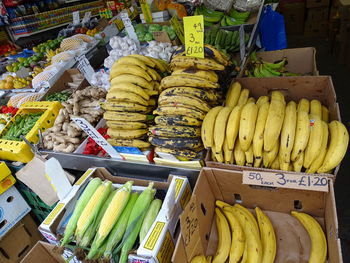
column 327, row 63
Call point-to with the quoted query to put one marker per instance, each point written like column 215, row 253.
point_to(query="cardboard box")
column 294, row 88
column 198, row 235
column 294, row 17
column 16, row 244
column 316, row 29
column 317, row 14
column 160, row 240
column 43, row 252
column 316, row 3
column 12, row 209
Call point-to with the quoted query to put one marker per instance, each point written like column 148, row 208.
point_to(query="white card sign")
column 84, row 67
column 129, row 27
column 286, row 180
column 76, row 17
column 97, row 137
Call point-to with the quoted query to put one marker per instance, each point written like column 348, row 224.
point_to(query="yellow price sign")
column 194, row 36
column 146, row 11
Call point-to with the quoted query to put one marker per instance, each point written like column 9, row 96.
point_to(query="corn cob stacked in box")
column 108, row 221
column 186, row 96
column 131, row 98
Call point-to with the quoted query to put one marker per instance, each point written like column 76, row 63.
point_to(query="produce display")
column 92, row 148
column 144, row 32
column 274, row 134
column 107, row 222
column 243, row 235
column 14, row 82
column 58, row 96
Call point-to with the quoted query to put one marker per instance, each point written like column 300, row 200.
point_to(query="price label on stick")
column 194, row 36
column 129, row 27
column 84, row 67
column 286, row 180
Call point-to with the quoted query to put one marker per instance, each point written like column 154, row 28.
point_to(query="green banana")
column 214, row 32
column 270, row 70
column 223, row 21
column 239, row 15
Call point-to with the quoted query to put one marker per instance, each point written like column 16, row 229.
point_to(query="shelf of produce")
column 81, row 162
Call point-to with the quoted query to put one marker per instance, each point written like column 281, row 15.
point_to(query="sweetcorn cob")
column 150, row 217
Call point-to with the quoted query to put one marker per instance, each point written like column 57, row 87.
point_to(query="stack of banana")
column 186, row 96
column 131, row 98
column 242, row 238
column 274, row 134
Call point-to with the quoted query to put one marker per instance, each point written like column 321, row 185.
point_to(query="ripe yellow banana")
column 224, row 234
column 318, row 252
column 304, row 105
column 237, row 236
column 184, row 99
column 251, row 100
column 288, row 132
column 129, row 69
column 202, row 94
column 160, row 65
column 146, row 60
column 208, row 127
column 302, row 134
column 258, row 138
column 284, row 166
column 175, row 111
column 262, row 100
column 228, row 154
column 187, row 81
column 219, row 157
column 220, row 127
column 129, row 87
column 177, row 120
column 268, row 157
column 247, row 125
column 268, row 237
column 232, row 127
column 298, row 163
column 204, row 74
column 120, row 95
column 124, row 116
column 273, row 124
column 277, row 95
column 275, row 165
column 129, row 143
column 249, row 156
column 314, row 145
column 199, row 63
column 325, row 114
column 233, row 94
column 126, row 134
column 243, row 97
column 154, row 74
column 338, row 145
column 123, row 106
column 199, row 259
column 175, row 131
column 128, row 60
column 239, row 155
column 323, row 150
column 316, row 108
column 126, row 125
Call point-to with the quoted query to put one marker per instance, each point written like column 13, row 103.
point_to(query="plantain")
column 188, row 100
column 199, row 63
column 184, row 153
column 177, row 120
column 207, row 95
column 123, row 106
column 209, row 75
column 129, row 143
column 126, row 125
column 187, row 81
column 176, row 143
column 124, row 116
column 174, row 110
column 175, row 131
column 119, row 95
column 126, row 134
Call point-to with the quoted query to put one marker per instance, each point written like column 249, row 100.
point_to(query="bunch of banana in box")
column 186, row 96
column 131, row 98
column 244, row 238
column 274, row 134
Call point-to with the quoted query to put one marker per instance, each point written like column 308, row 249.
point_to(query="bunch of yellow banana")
column 270, row 133
column 131, row 98
column 243, row 237
column 186, row 96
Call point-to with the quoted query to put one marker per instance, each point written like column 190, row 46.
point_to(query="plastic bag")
column 272, row 30
column 247, row 5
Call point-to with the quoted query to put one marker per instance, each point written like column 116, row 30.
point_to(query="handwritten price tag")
column 146, row 11
column 285, row 180
column 194, row 36
column 191, row 224
column 84, row 67
column 178, row 28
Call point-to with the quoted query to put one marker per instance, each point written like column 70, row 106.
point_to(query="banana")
column 199, row 63
column 209, row 75
column 207, row 95
column 251, row 100
column 249, row 156
column 221, row 204
column 316, row 108
column 129, row 69
column 176, row 143
column 268, row 237
column 228, row 154
column 298, row 163
column 220, row 127
column 262, row 100
column 325, row 114
column 188, row 100
column 258, row 138
column 237, row 236
column 318, row 252
column 243, row 97
column 129, row 87
column 126, row 125
column 233, row 126
column 304, row 105
column 275, row 164
column 273, row 124
column 154, row 74
column 152, row 92
column 176, row 152
column 302, row 134
column 269, row 156
column 129, row 143
column 177, row 120
column 155, row 85
column 250, row 217
column 187, row 81
column 152, row 102
column 219, row 157
column 119, row 95
column 123, row 106
column 338, row 145
column 160, row 65
column 174, row 111
column 247, row 125
column 284, row 166
column 288, row 132
column 314, row 145
column 139, row 81
column 239, row 155
column 199, row 259
column 175, row 131
column 124, row 116
column 126, row 134
column 214, row 53
column 129, row 61
column 322, row 153
column 253, row 251
column 146, row 60
column 233, row 94
column 277, row 95
column 224, row 234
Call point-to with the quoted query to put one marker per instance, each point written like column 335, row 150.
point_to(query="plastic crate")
column 19, row 150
